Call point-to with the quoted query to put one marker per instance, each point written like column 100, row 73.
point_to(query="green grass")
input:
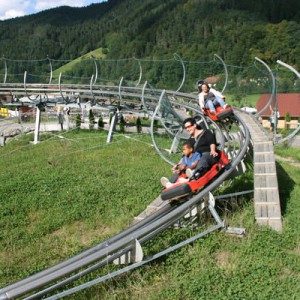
column 288, row 152
column 246, row 101
column 64, row 195
column 72, row 64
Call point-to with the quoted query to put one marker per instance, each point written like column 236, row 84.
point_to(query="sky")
column 18, row 8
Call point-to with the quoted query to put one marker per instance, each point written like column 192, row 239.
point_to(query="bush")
column 100, row 122
column 155, row 126
column 91, row 119
column 122, row 125
column 287, row 119
column 138, row 125
column 78, row 121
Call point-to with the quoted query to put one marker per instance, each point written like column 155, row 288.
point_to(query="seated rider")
column 210, row 98
column 189, row 160
column 205, row 143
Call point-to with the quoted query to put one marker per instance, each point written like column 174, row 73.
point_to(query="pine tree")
column 78, row 121
column 91, row 119
column 122, row 124
column 100, row 122
column 138, row 125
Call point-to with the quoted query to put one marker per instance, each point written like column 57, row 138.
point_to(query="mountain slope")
column 236, row 30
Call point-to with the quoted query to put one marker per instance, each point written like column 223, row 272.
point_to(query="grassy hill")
column 64, row 195
column 72, row 65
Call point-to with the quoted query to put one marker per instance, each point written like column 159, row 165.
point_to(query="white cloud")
column 13, row 8
column 18, row 8
column 42, row 5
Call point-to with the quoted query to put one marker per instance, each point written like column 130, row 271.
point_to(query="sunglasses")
column 188, row 126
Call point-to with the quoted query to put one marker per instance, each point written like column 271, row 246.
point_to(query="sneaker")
column 189, row 173
column 164, row 181
column 169, row 184
column 225, row 106
column 212, row 112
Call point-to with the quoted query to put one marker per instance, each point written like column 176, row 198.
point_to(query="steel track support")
column 37, row 125
column 193, row 215
column 175, row 142
column 220, row 224
column 112, row 127
column 133, row 256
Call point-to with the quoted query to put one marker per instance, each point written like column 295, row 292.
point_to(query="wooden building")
column 287, row 103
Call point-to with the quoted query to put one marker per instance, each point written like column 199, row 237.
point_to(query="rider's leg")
column 220, row 101
column 209, row 105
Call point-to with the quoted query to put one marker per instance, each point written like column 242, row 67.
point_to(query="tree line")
column 237, row 30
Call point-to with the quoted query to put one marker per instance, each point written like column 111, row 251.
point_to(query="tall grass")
column 64, row 195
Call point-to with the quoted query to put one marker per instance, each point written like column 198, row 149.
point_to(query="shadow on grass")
column 285, row 186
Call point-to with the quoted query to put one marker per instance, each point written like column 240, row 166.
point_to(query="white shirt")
column 201, row 97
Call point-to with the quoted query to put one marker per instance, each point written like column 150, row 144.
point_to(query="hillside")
column 236, row 30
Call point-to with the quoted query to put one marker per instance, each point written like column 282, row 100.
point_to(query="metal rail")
column 142, row 231
column 290, row 136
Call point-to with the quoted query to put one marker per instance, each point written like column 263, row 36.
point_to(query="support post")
column 135, row 255
column 112, row 127
column 175, row 142
column 211, row 207
column 37, row 125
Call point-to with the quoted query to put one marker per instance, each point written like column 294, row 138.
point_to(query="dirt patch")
column 80, row 232
column 297, row 250
column 224, row 260
column 286, row 272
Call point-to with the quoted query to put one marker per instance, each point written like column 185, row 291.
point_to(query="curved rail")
column 290, row 136
column 141, row 71
column 225, row 71
column 273, row 87
column 142, row 231
column 177, row 57
column 5, row 71
column 51, row 70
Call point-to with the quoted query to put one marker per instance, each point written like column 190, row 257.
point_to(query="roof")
column 286, row 103
column 212, row 79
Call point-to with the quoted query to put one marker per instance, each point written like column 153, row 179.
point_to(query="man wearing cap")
column 205, row 143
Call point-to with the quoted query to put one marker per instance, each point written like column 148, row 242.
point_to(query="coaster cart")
column 221, row 113
column 181, row 190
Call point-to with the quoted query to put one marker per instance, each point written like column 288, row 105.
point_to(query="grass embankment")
column 97, row 54
column 64, row 195
column 246, row 101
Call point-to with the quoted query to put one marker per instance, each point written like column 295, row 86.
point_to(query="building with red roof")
column 287, row 103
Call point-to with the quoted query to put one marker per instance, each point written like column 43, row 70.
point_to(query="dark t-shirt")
column 206, row 139
column 209, row 96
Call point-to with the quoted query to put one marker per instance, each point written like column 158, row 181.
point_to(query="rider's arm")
column 201, row 100
column 213, row 151
column 217, row 93
column 194, row 165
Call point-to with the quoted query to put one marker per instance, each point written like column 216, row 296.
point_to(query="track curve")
column 143, row 231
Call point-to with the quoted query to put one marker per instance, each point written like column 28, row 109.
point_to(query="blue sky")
column 18, row 8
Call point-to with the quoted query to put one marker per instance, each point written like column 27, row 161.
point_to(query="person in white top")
column 209, row 98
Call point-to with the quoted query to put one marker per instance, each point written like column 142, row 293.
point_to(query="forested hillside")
column 236, row 30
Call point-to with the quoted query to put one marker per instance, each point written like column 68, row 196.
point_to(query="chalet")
column 287, row 103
